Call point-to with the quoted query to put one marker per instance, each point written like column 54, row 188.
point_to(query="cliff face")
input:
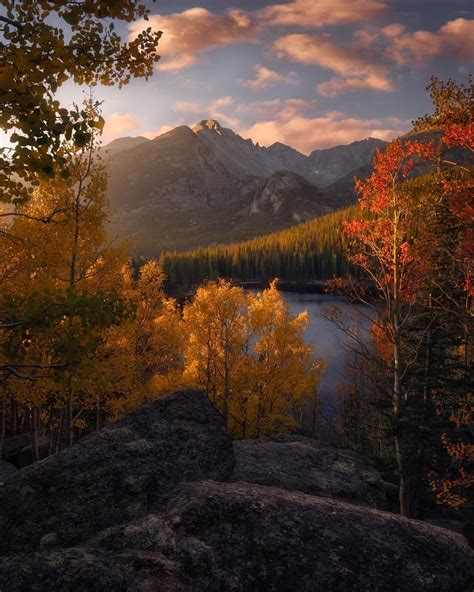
column 162, row 500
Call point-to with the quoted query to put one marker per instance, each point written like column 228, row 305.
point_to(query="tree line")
column 313, row 250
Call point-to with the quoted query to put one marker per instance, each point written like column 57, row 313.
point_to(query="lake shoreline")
column 316, row 287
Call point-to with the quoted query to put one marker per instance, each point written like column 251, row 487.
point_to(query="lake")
column 327, row 339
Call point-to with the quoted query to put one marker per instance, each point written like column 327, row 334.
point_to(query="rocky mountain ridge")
column 163, row 500
column 199, row 186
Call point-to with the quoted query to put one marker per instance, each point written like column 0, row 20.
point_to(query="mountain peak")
column 208, row 124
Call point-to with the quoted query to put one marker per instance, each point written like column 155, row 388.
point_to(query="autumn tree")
column 144, row 355
column 248, row 354
column 383, row 248
column 446, row 244
column 285, row 374
column 217, row 339
column 44, row 44
column 67, row 280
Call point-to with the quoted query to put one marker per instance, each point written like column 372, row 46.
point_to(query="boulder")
column 241, row 537
column 303, row 464
column 25, row 456
column 6, row 470
column 116, row 474
column 13, row 446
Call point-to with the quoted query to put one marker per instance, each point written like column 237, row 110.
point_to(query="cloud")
column 215, row 109
column 356, row 69
column 118, row 124
column 282, row 108
column 336, row 86
column 307, row 134
column 264, row 77
column 318, row 13
column 161, row 130
column 196, row 30
column 454, row 39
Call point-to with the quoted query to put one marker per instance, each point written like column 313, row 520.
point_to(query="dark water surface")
column 327, row 339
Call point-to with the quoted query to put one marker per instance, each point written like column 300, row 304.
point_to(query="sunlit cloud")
column 356, row 70
column 454, row 39
column 264, row 78
column 318, row 13
column 216, row 109
column 308, row 133
column 119, row 124
column 188, row 34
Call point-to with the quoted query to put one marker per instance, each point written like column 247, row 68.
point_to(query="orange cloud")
column 118, row 124
column 356, row 69
column 306, row 134
column 317, row 13
column 265, row 77
column 187, row 34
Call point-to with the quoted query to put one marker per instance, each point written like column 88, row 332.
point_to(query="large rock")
column 303, row 464
column 231, row 537
column 6, row 470
column 13, row 446
column 116, row 474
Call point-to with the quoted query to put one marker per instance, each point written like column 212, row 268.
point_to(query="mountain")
column 206, row 185
column 121, row 144
column 332, row 164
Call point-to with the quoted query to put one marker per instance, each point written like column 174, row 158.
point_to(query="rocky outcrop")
column 6, row 470
column 302, row 464
column 13, row 446
column 231, row 537
column 153, row 502
column 116, row 474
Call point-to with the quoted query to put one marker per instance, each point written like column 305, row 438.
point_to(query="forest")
column 86, row 337
column 313, row 250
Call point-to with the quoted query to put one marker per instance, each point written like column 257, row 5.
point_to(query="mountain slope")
column 334, row 163
column 207, row 185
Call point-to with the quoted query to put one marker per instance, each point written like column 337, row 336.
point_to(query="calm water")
column 327, row 339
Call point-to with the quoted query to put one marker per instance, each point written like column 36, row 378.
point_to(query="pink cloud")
column 454, row 39
column 196, row 30
column 355, row 68
column 306, row 133
column 118, row 124
column 317, row 13
column 264, row 77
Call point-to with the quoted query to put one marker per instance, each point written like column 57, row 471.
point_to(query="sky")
column 308, row 73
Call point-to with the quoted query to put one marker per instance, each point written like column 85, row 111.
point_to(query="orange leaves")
column 391, row 167
column 459, row 135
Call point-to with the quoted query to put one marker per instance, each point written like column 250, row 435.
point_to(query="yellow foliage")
column 247, row 353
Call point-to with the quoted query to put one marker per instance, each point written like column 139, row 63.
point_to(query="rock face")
column 301, row 464
column 143, row 505
column 334, row 163
column 6, row 470
column 231, row 537
column 116, row 474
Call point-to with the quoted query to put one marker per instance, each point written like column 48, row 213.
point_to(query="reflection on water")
column 327, row 339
